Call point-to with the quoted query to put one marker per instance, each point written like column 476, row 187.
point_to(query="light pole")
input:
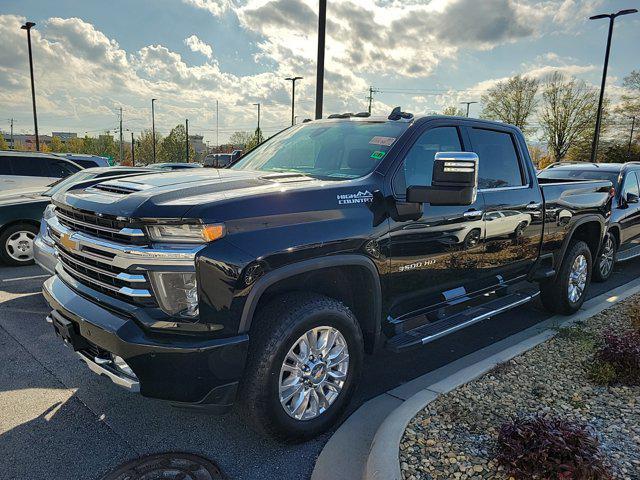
column 633, row 124
column 27, row 26
column 217, row 131
column 186, row 135
column 293, row 97
column 133, row 151
column 258, row 129
column 153, row 128
column 467, row 104
column 611, row 17
column 322, row 30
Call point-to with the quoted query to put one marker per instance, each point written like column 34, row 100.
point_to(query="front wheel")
column 305, row 356
column 603, row 266
column 16, row 244
column 567, row 292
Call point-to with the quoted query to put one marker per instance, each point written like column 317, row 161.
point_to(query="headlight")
column 176, row 292
column 189, row 233
column 49, row 212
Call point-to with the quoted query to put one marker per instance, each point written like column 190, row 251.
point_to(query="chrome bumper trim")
column 120, row 380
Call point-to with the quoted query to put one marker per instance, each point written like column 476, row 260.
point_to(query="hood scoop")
column 119, row 187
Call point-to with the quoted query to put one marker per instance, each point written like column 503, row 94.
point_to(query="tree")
column 57, row 145
column 630, row 106
column 240, row 139
column 453, row 111
column 144, row 147
column 173, row 146
column 512, row 101
column 568, row 113
column 256, row 139
column 76, row 145
column 3, row 143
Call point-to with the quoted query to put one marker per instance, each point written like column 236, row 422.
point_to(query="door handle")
column 472, row 213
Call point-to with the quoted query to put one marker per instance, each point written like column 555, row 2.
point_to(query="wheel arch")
column 351, row 279
column 589, row 229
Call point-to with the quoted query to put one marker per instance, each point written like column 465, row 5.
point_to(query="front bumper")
column 185, row 369
column 44, row 254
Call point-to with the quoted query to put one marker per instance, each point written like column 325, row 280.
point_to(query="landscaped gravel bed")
column 456, row 435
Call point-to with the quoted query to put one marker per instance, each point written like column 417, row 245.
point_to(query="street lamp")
column 153, row 129
column 293, row 97
column 611, row 17
column 258, row 129
column 467, row 103
column 322, row 30
column 27, row 26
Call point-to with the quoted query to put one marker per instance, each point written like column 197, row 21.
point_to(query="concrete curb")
column 366, row 444
column 383, row 461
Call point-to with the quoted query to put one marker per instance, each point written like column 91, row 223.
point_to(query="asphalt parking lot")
column 60, row 421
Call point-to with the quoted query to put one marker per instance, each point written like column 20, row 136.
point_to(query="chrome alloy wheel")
column 19, row 246
column 606, row 257
column 313, row 373
column 577, row 278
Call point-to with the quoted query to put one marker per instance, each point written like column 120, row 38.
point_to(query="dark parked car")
column 31, row 169
column 87, row 161
column 267, row 282
column 174, row 166
column 21, row 211
column 622, row 241
column 218, row 160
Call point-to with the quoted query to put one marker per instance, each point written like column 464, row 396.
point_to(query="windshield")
column 333, row 150
column 66, row 182
column 567, row 174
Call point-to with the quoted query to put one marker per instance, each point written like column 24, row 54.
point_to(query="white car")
column 31, row 169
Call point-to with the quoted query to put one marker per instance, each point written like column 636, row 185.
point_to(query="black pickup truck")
column 265, row 283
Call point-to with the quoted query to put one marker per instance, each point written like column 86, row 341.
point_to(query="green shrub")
column 602, row 373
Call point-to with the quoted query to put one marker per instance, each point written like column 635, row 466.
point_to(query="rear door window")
column 29, row 166
column 61, row 169
column 499, row 163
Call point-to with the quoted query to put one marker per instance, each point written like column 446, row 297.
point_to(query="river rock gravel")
column 455, row 436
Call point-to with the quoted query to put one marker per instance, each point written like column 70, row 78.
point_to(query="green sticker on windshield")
column 378, row 155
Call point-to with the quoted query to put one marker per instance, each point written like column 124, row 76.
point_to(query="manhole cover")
column 167, row 466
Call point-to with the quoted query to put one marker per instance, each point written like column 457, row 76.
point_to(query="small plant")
column 622, row 353
column 577, row 334
column 632, row 312
column 550, row 448
column 602, row 373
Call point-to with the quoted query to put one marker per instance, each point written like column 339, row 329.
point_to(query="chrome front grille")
column 108, row 265
column 100, row 226
column 119, row 283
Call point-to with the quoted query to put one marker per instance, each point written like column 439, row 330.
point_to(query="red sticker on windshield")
column 384, row 141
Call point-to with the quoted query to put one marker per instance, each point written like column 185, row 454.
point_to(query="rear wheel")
column 16, row 244
column 304, row 361
column 603, row 266
column 567, row 292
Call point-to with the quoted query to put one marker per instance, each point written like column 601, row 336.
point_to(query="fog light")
column 176, row 292
column 123, row 366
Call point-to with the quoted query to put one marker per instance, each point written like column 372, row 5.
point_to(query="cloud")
column 215, row 7
column 197, row 45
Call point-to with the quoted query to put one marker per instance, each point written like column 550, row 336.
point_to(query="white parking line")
column 24, row 278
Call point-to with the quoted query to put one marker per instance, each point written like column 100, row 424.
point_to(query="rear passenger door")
column 630, row 218
column 512, row 203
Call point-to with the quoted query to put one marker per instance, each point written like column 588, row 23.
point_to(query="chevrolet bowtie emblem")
column 67, row 242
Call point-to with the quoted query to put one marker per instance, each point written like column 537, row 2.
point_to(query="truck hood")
column 188, row 194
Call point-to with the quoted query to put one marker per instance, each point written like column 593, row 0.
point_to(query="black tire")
column 8, row 253
column 276, row 329
column 472, row 239
column 603, row 265
column 555, row 294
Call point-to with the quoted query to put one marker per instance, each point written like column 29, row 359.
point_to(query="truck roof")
column 606, row 167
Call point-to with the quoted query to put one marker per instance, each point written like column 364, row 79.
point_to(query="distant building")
column 25, row 142
column 64, row 136
column 197, row 142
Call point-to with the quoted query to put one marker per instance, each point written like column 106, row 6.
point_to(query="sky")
column 92, row 57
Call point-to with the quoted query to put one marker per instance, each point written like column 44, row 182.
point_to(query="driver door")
column 439, row 251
